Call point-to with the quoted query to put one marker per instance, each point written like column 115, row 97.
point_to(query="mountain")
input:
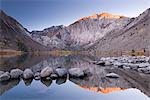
column 81, row 34
column 104, row 32
column 14, row 36
column 134, row 36
column 55, row 37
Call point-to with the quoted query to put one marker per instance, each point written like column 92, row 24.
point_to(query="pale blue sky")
column 40, row 14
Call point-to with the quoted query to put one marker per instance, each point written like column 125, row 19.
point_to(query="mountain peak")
column 108, row 15
column 104, row 15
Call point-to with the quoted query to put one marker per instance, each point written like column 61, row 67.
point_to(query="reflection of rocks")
column 60, row 81
column 100, row 83
column 28, row 82
column 46, row 82
column 78, row 80
column 5, row 86
column 95, row 79
column 99, row 80
column 136, row 80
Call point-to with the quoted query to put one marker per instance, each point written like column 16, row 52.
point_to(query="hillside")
column 14, row 36
column 135, row 36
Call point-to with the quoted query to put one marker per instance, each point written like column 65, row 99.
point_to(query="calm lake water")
column 130, row 86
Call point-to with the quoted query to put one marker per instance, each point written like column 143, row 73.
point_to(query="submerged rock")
column 76, row 72
column 16, row 73
column 46, row 72
column 112, row 75
column 5, row 77
column 27, row 74
column 61, row 72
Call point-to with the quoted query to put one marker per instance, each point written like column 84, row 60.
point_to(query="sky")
column 40, row 14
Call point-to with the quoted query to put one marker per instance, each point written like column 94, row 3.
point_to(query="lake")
column 129, row 86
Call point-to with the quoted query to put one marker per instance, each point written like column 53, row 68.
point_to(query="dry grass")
column 56, row 53
column 120, row 53
column 9, row 53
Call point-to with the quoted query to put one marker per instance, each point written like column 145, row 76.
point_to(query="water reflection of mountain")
column 98, row 82
column 28, row 61
column 65, row 62
column 128, row 79
column 21, row 62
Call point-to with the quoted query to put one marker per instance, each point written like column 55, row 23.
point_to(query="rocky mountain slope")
column 104, row 32
column 14, row 36
column 134, row 36
column 81, row 34
column 55, row 37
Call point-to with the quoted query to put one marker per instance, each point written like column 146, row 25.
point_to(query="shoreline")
column 136, row 63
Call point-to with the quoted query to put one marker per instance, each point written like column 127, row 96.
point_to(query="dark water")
column 130, row 86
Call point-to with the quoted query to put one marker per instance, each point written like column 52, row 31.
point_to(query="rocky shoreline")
column 137, row 63
column 47, row 73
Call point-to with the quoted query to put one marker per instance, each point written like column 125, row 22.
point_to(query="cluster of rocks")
column 46, row 73
column 137, row 63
